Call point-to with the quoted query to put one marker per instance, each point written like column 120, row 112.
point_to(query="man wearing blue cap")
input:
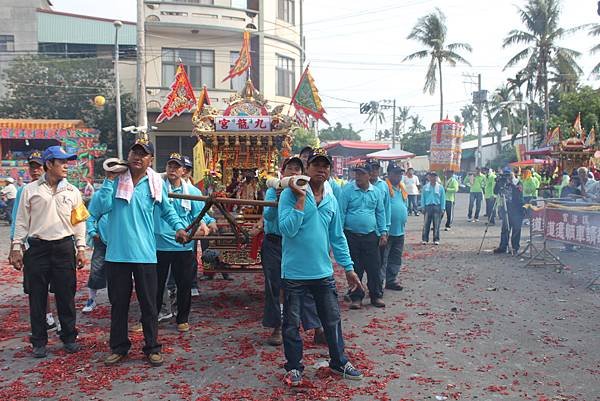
column 310, row 225
column 45, row 221
column 130, row 201
column 364, row 219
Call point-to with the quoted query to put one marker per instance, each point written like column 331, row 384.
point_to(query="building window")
column 286, row 11
column 199, row 65
column 236, row 83
column 7, row 43
column 286, row 80
column 167, row 144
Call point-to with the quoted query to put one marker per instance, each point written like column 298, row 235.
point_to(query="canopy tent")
column 529, row 162
column 391, row 154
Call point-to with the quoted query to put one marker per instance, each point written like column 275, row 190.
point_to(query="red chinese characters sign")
column 243, row 123
column 565, row 225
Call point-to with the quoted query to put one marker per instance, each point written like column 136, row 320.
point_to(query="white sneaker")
column 436, row 242
column 195, row 292
column 90, row 305
column 423, row 242
column 476, row 220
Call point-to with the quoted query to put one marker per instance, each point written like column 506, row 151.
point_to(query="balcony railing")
column 158, row 12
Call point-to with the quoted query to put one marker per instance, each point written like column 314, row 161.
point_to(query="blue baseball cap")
column 187, row 162
column 36, row 157
column 506, row 170
column 57, row 152
column 144, row 144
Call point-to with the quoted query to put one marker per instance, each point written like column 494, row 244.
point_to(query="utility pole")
column 479, row 123
column 394, row 126
column 142, row 114
column 118, row 25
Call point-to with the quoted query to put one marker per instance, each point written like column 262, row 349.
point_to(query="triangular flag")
column 591, row 138
column 181, row 97
column 203, row 100
column 553, row 137
column 244, row 61
column 577, row 127
column 306, row 97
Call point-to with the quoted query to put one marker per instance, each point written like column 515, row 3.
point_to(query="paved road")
column 466, row 327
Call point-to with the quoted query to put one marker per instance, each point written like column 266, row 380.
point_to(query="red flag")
column 244, row 61
column 301, row 118
column 306, row 97
column 204, row 100
column 181, row 97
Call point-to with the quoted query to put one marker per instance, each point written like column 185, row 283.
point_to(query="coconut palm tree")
column 402, row 117
column 595, row 31
column 375, row 115
column 416, row 125
column 430, row 31
column 469, row 116
column 544, row 58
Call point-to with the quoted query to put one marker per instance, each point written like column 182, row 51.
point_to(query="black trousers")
column 120, row 278
column 182, row 270
column 489, row 209
column 51, row 262
column 449, row 213
column 511, row 227
column 364, row 251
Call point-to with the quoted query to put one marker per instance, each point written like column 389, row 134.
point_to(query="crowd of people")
column 139, row 240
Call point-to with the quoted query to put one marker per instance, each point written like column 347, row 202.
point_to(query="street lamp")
column 118, row 25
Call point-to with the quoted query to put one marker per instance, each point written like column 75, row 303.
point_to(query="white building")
column 206, row 35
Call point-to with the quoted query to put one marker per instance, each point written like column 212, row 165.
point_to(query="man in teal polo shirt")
column 433, row 201
column 311, row 225
column 398, row 215
column 130, row 201
column 171, row 255
column 366, row 230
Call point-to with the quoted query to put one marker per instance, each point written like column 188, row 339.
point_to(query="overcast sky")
column 356, row 49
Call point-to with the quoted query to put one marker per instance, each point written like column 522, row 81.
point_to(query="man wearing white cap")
column 10, row 193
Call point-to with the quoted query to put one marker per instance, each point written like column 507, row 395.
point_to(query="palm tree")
column 595, row 31
column 375, row 115
column 402, row 118
column 417, row 125
column 504, row 110
column 430, row 31
column 469, row 115
column 542, row 53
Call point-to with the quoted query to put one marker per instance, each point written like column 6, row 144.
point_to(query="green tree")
column 469, row 115
column 545, row 59
column 401, row 119
column 586, row 101
column 46, row 88
column 503, row 110
column 338, row 133
column 431, row 31
column 417, row 142
column 416, row 125
column 304, row 137
column 595, row 31
column 375, row 114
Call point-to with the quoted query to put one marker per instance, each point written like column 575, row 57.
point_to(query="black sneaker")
column 293, row 377
column 51, row 327
column 39, row 352
column 72, row 348
column 499, row 250
column 347, row 371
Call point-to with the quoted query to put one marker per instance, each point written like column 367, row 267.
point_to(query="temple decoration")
column 306, row 97
column 446, row 141
column 180, row 99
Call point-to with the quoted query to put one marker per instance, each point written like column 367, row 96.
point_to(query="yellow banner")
column 199, row 162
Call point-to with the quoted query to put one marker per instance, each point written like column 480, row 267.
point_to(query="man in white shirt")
column 44, row 221
column 9, row 192
column 411, row 184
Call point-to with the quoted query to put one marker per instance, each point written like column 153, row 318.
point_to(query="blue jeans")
column 475, row 198
column 326, row 298
column 433, row 215
column 394, row 251
column 412, row 204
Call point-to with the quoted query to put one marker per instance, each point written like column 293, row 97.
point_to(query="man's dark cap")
column 319, row 153
column 363, row 166
column 295, row 159
column 394, row 167
column 144, row 144
column 176, row 158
